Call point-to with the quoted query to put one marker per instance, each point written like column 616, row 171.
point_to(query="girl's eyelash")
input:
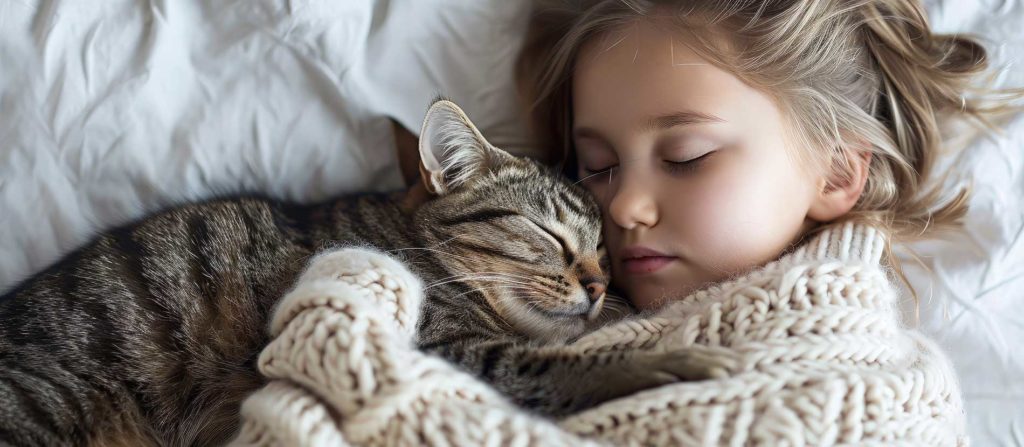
column 596, row 172
column 673, row 166
column 684, row 167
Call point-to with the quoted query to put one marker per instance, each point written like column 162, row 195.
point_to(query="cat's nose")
column 595, row 289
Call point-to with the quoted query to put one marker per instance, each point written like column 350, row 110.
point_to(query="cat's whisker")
column 476, row 276
column 488, row 273
column 496, row 279
column 446, row 241
column 587, row 177
column 505, row 281
column 433, row 250
column 512, row 275
column 617, row 306
column 480, row 289
column 464, row 276
column 499, row 280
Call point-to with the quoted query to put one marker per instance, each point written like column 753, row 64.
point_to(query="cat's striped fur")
column 150, row 334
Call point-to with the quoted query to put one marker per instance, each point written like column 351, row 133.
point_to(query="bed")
column 110, row 110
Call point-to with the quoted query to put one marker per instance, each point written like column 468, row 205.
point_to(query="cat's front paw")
column 650, row 369
column 686, row 364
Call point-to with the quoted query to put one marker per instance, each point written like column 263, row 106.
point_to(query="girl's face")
column 695, row 175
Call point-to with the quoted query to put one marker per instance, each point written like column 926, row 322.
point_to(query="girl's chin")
column 649, row 293
column 650, row 296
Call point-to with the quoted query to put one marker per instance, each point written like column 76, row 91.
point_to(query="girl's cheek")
column 712, row 220
column 736, row 220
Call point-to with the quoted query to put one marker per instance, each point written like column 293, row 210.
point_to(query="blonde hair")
column 852, row 75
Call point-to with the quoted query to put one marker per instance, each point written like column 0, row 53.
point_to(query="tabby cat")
column 149, row 335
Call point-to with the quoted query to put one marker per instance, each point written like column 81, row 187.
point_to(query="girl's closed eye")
column 689, row 165
column 675, row 165
column 590, row 172
column 595, row 157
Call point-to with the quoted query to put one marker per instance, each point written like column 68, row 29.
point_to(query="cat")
column 149, row 334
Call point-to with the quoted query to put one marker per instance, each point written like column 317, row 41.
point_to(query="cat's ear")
column 452, row 151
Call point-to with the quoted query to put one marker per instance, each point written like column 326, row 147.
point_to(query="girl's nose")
column 633, row 203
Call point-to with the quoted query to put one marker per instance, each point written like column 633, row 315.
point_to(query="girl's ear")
column 838, row 192
column 452, row 151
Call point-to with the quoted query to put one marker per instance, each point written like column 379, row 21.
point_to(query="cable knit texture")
column 821, row 359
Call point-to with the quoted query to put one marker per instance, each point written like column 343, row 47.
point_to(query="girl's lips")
column 646, row 264
column 637, row 259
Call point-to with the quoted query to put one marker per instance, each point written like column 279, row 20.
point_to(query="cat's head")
column 527, row 238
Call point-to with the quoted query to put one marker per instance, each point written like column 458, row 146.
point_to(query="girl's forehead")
column 641, row 42
column 647, row 84
column 647, row 71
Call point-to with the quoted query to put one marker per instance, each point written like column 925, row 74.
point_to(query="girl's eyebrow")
column 681, row 118
column 669, row 120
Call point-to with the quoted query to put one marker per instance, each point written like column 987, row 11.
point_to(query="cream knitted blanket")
column 821, row 359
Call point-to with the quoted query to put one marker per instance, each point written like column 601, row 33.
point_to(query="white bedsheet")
column 110, row 109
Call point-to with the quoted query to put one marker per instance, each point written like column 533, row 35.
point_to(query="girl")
column 719, row 134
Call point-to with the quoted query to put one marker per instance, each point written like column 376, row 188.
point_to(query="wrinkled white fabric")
column 972, row 289
column 110, row 110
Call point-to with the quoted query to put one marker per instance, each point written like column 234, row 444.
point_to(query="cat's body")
column 157, row 318
column 150, row 334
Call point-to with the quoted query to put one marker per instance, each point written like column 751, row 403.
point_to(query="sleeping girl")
column 735, row 147
column 719, row 135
